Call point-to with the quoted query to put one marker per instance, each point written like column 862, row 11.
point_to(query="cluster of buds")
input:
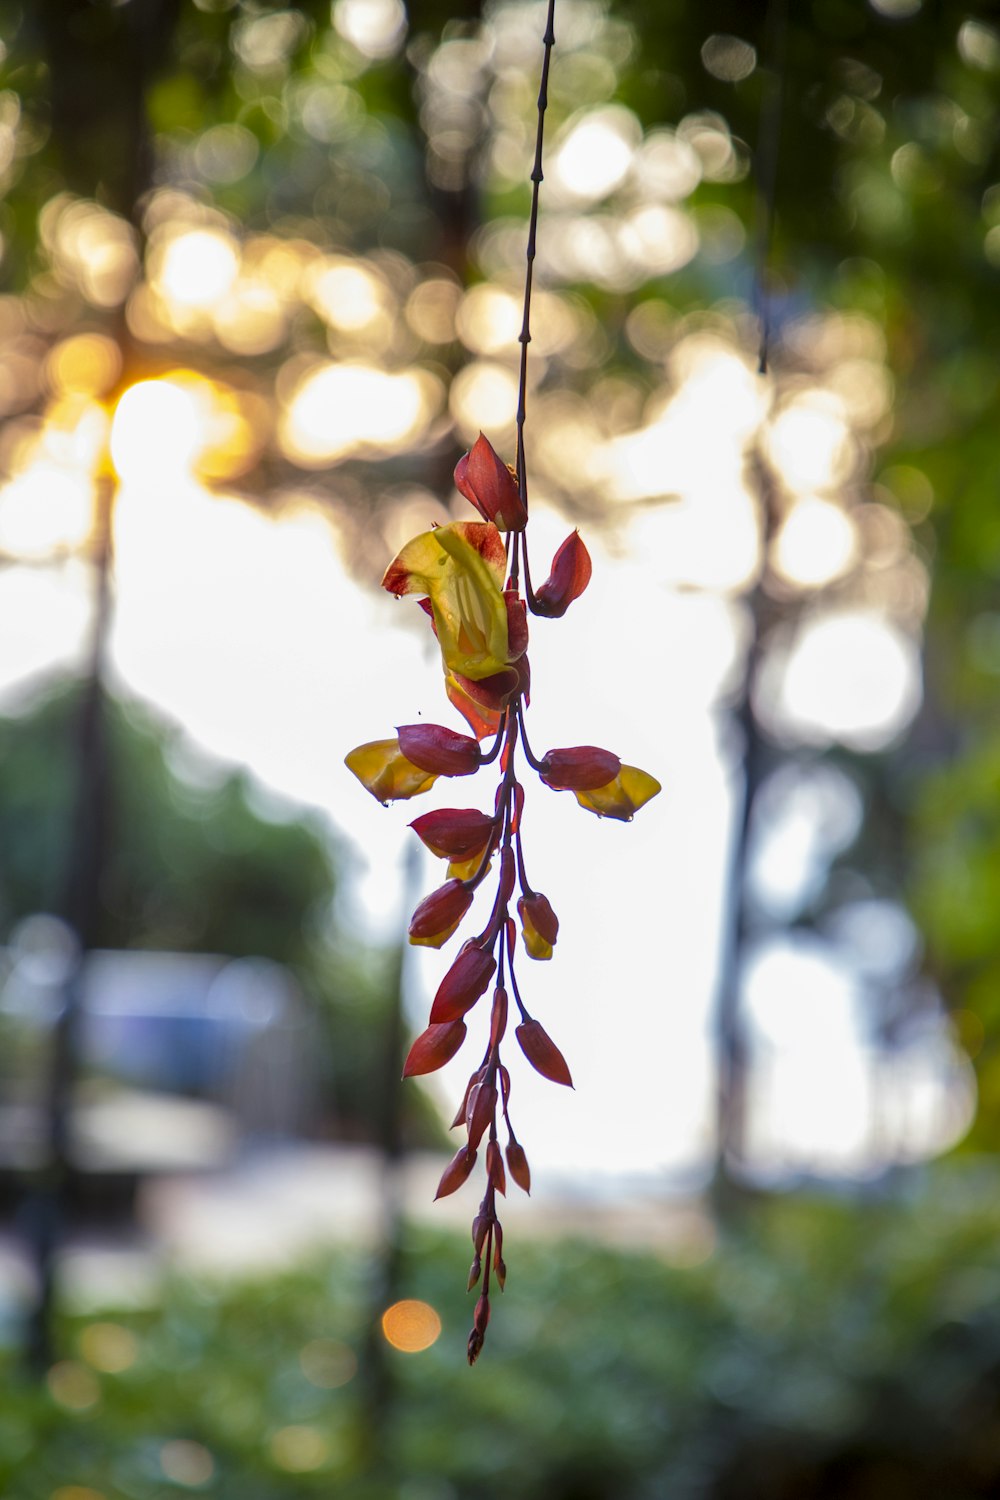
column 467, row 576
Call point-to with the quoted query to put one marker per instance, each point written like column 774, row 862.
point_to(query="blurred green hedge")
column 825, row 1348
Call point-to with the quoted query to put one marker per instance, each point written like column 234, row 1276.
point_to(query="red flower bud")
column 482, row 1316
column 518, row 1164
column 456, row 1172
column 433, row 1048
column 579, row 768
column 498, row 1018
column 483, row 1110
column 438, row 914
column 542, row 1052
column 435, row 748
column 539, row 924
column 475, row 1271
column 494, row 1168
column 480, row 1229
column 465, row 981
column 485, row 480
column 455, row 832
column 460, row 1114
column 571, row 570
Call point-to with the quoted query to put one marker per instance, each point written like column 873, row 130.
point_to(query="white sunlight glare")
column 339, row 409
column 159, row 428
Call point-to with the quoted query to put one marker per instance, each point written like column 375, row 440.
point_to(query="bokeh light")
column 411, row 1326
column 186, row 1462
column 340, row 409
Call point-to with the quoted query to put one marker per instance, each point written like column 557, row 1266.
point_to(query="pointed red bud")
column 483, row 1111
column 498, row 1018
column 461, row 1114
column 486, row 481
column 508, row 875
column 480, row 1229
column 542, row 1052
column 518, row 1164
column 438, row 914
column 455, row 832
column 579, row 768
column 504, row 1083
column 433, row 1048
column 494, row 1168
column 456, row 1172
column 539, row 924
column 435, row 748
column 571, row 570
column 482, row 1316
column 499, row 1269
column 467, row 979
column 475, row 1271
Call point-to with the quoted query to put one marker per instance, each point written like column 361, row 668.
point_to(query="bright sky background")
column 246, row 630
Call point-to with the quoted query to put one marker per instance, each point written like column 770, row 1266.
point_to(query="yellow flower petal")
column 461, row 570
column 623, row 797
column 384, row 770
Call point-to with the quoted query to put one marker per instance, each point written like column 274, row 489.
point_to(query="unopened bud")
column 494, row 1168
column 579, row 768
column 438, row 914
column 518, row 1164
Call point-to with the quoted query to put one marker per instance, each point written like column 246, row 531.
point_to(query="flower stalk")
column 467, row 579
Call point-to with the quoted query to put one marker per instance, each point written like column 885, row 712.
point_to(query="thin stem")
column 513, row 984
column 776, row 29
column 524, row 337
column 522, row 877
column 533, row 762
column 497, row 745
column 529, row 591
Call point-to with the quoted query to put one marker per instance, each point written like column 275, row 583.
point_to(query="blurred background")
column 260, row 283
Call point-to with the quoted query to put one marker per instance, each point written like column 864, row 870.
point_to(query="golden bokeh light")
column 341, row 409
column 73, row 1386
column 810, row 443
column 108, row 1347
column 181, row 424
column 348, row 295
column 86, row 364
column 186, row 1462
column 430, row 309
column 375, row 27
column 299, row 1449
column 816, row 543
column 90, row 247
column 489, row 320
column 411, row 1326
column 665, row 167
column 194, row 268
column 251, row 318
column 596, row 154
column 158, row 431
column 483, row 397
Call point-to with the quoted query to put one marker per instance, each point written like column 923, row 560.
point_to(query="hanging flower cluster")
column 467, row 576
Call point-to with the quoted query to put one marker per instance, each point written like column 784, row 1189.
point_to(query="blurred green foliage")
column 825, row 1349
